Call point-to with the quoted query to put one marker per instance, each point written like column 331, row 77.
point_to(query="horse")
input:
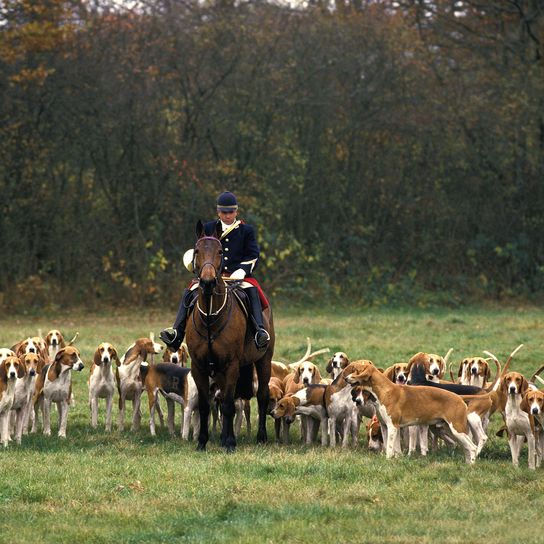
column 221, row 344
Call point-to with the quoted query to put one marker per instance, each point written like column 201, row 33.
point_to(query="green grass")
column 128, row 487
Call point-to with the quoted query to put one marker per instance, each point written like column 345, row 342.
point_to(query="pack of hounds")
column 406, row 405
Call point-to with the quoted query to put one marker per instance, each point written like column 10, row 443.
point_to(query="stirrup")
column 262, row 338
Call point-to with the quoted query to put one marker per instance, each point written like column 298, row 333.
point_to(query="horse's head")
column 208, row 258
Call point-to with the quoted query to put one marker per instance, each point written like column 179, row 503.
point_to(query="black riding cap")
column 226, row 202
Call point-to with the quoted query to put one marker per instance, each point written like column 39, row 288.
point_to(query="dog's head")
column 286, row 408
column 397, row 373
column 11, row 369
column 307, row 373
column 5, row 353
column 374, row 435
column 337, row 363
column 478, row 368
column 433, row 364
column 514, row 383
column 32, row 363
column 177, row 357
column 68, row 359
column 275, row 388
column 533, row 403
column 105, row 354
column 55, row 339
column 360, row 373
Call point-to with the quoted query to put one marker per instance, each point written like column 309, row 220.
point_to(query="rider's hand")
column 239, row 274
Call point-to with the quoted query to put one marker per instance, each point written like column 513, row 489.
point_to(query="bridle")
column 209, row 313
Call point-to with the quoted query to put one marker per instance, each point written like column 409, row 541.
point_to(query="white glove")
column 239, row 274
column 188, row 257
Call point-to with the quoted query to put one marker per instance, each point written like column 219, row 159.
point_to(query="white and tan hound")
column 11, row 369
column 102, row 382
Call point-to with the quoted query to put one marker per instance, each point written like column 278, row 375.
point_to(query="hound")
column 53, row 342
column 533, row 405
column 176, row 384
column 277, row 392
column 24, row 389
column 341, row 410
column 337, row 363
column 101, row 382
column 54, row 384
column 11, row 369
column 129, row 381
column 309, row 402
column 179, row 357
column 474, row 371
column 518, row 424
column 403, row 405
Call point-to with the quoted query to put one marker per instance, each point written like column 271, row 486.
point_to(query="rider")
column 241, row 254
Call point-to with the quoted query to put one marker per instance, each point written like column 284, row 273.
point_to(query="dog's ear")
column 524, row 403
column 381, row 369
column 524, row 385
column 115, row 356
column 97, row 359
column 296, row 378
column 390, row 373
column 461, row 367
column 3, row 372
column 21, row 369
column 328, row 368
column 487, row 373
column 317, row 375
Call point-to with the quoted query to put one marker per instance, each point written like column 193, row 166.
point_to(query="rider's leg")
column 173, row 337
column 261, row 335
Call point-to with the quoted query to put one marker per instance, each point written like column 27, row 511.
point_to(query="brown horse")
column 221, row 344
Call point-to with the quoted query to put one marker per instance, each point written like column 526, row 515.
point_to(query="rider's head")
column 227, row 207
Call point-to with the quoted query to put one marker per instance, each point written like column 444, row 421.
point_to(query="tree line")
column 384, row 150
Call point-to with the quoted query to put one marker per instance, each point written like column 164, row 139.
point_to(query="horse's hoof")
column 230, row 449
column 200, row 447
column 262, row 438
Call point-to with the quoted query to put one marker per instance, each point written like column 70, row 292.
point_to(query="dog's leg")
column 171, row 407
column 480, row 437
column 3, row 433
column 187, row 415
column 423, row 432
column 121, row 417
column 247, row 415
column 332, row 432
column 514, row 448
column 62, row 408
column 413, row 434
column 324, row 424
column 152, row 399
column 159, row 411
column 46, row 417
column 347, row 426
column 392, row 433
column 109, row 406
column 465, row 442
column 94, row 411
column 137, row 413
column 286, row 427
column 531, row 449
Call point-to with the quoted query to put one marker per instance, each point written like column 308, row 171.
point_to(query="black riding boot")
column 261, row 334
column 173, row 336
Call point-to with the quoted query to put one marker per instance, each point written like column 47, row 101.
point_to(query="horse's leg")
column 228, row 439
column 263, row 368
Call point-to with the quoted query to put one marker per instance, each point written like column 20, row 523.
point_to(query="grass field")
column 126, row 487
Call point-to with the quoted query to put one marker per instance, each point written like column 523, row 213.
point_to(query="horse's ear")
column 218, row 230
column 199, row 229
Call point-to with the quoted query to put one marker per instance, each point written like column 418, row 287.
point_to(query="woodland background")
column 385, row 151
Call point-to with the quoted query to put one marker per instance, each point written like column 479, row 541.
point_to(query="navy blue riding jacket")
column 240, row 249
